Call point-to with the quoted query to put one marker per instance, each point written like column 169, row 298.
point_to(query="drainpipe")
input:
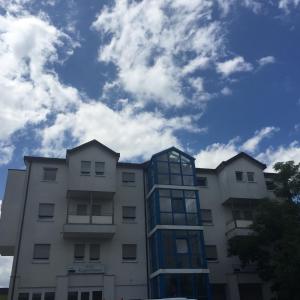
column 18, row 246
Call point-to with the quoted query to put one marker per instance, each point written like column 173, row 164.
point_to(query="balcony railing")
column 104, row 220
column 238, row 228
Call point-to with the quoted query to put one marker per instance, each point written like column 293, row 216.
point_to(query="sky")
column 212, row 78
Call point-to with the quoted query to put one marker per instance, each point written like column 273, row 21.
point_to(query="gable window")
column 94, row 252
column 46, row 210
column 99, row 168
column 128, row 177
column 85, row 167
column 49, row 174
column 129, row 213
column 202, row 181
column 81, row 210
column 129, row 251
column 239, row 176
column 79, row 250
column 41, row 251
column 182, row 246
column 250, row 176
column 211, row 252
column 206, row 216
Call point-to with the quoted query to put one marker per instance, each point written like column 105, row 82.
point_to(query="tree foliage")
column 275, row 243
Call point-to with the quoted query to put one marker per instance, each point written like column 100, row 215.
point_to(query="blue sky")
column 210, row 77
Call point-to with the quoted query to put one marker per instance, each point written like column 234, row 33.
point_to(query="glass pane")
column 162, row 167
column 178, row 205
column 181, row 246
column 179, row 219
column 94, row 252
column 164, row 193
column 128, row 177
column 192, row 219
column 129, row 251
column 81, row 210
column 41, row 251
column 183, row 261
column 163, row 179
column 171, row 286
column 177, row 194
column 211, row 252
column 174, row 168
column 50, row 174
column 49, row 296
column 72, row 295
column 201, row 181
column 129, row 212
column 79, row 251
column 36, row 296
column 99, row 168
column 85, row 167
column 186, row 285
column 165, row 204
column 190, row 194
column 188, row 180
column 96, row 210
column 191, row 206
column 187, row 169
column 174, row 156
column 23, row 296
column 176, row 180
column 166, row 219
column 97, row 295
column 85, row 296
column 163, row 157
column 46, row 210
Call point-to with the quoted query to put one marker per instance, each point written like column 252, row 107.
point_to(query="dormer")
column 242, row 177
column 92, row 167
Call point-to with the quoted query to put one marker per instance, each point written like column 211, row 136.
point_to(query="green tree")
column 275, row 243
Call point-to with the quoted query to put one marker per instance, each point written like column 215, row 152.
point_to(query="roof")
column 223, row 164
column 130, row 165
column 174, row 149
column 44, row 159
column 95, row 143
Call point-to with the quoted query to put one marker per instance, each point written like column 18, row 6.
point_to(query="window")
column 250, row 176
column 211, row 252
column 23, row 296
column 36, row 296
column 206, row 216
column 85, row 296
column 72, row 295
column 85, row 167
column 202, row 181
column 41, row 251
column 99, row 168
column 182, row 246
column 49, row 174
column 81, row 209
column 236, row 214
column 129, row 251
column 46, row 210
column 129, row 212
column 270, row 185
column 49, row 296
column 128, row 177
column 94, row 252
column 79, row 252
column 97, row 295
column 239, row 176
column 96, row 210
column 248, row 215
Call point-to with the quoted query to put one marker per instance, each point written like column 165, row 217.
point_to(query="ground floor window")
column 85, row 295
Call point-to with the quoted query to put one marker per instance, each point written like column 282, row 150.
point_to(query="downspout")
column 14, row 271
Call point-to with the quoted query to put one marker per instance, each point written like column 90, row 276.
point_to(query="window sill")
column 40, row 261
column 45, row 220
column 85, row 174
column 129, row 261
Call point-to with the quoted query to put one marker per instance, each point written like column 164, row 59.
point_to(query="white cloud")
column 6, row 152
column 150, row 46
column 226, row 91
column 236, row 64
column 133, row 133
column 251, row 144
column 266, row 60
column 227, row 5
column 286, row 5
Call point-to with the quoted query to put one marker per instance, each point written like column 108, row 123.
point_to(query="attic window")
column 99, row 168
column 85, row 167
column 239, row 176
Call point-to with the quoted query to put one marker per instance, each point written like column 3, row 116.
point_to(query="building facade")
column 91, row 227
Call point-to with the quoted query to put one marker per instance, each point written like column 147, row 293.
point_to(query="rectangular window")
column 79, row 250
column 94, row 252
column 99, row 168
column 85, row 296
column 36, row 296
column 97, row 295
column 129, row 251
column 128, row 177
column 129, row 212
column 182, row 246
column 81, row 209
column 250, row 176
column 49, row 174
column 23, row 296
column 270, row 185
column 239, row 176
column 85, row 167
column 248, row 215
column 236, row 214
column 49, row 296
column 211, row 252
column 201, row 181
column 72, row 295
column 41, row 251
column 46, row 210
column 206, row 216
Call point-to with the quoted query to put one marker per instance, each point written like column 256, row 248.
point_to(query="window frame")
column 44, row 216
column 98, row 252
column 203, row 220
column 205, row 181
column 128, row 217
column 211, row 259
column 84, row 170
column 242, row 176
column 49, row 179
column 129, row 258
column 128, row 181
column 100, row 173
column 40, row 257
column 76, row 257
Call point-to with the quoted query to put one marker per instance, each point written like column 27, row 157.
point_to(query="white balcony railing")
column 75, row 219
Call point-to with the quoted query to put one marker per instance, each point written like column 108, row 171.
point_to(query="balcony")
column 238, row 228
column 89, row 215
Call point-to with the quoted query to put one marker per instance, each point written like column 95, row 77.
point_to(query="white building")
column 91, row 227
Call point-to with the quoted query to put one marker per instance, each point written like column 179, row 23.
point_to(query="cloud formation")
column 234, row 65
column 266, row 60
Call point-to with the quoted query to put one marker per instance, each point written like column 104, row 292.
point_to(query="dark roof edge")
column 130, row 165
column 12, row 169
column 44, row 159
column 205, row 170
column 93, row 142
column 176, row 149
